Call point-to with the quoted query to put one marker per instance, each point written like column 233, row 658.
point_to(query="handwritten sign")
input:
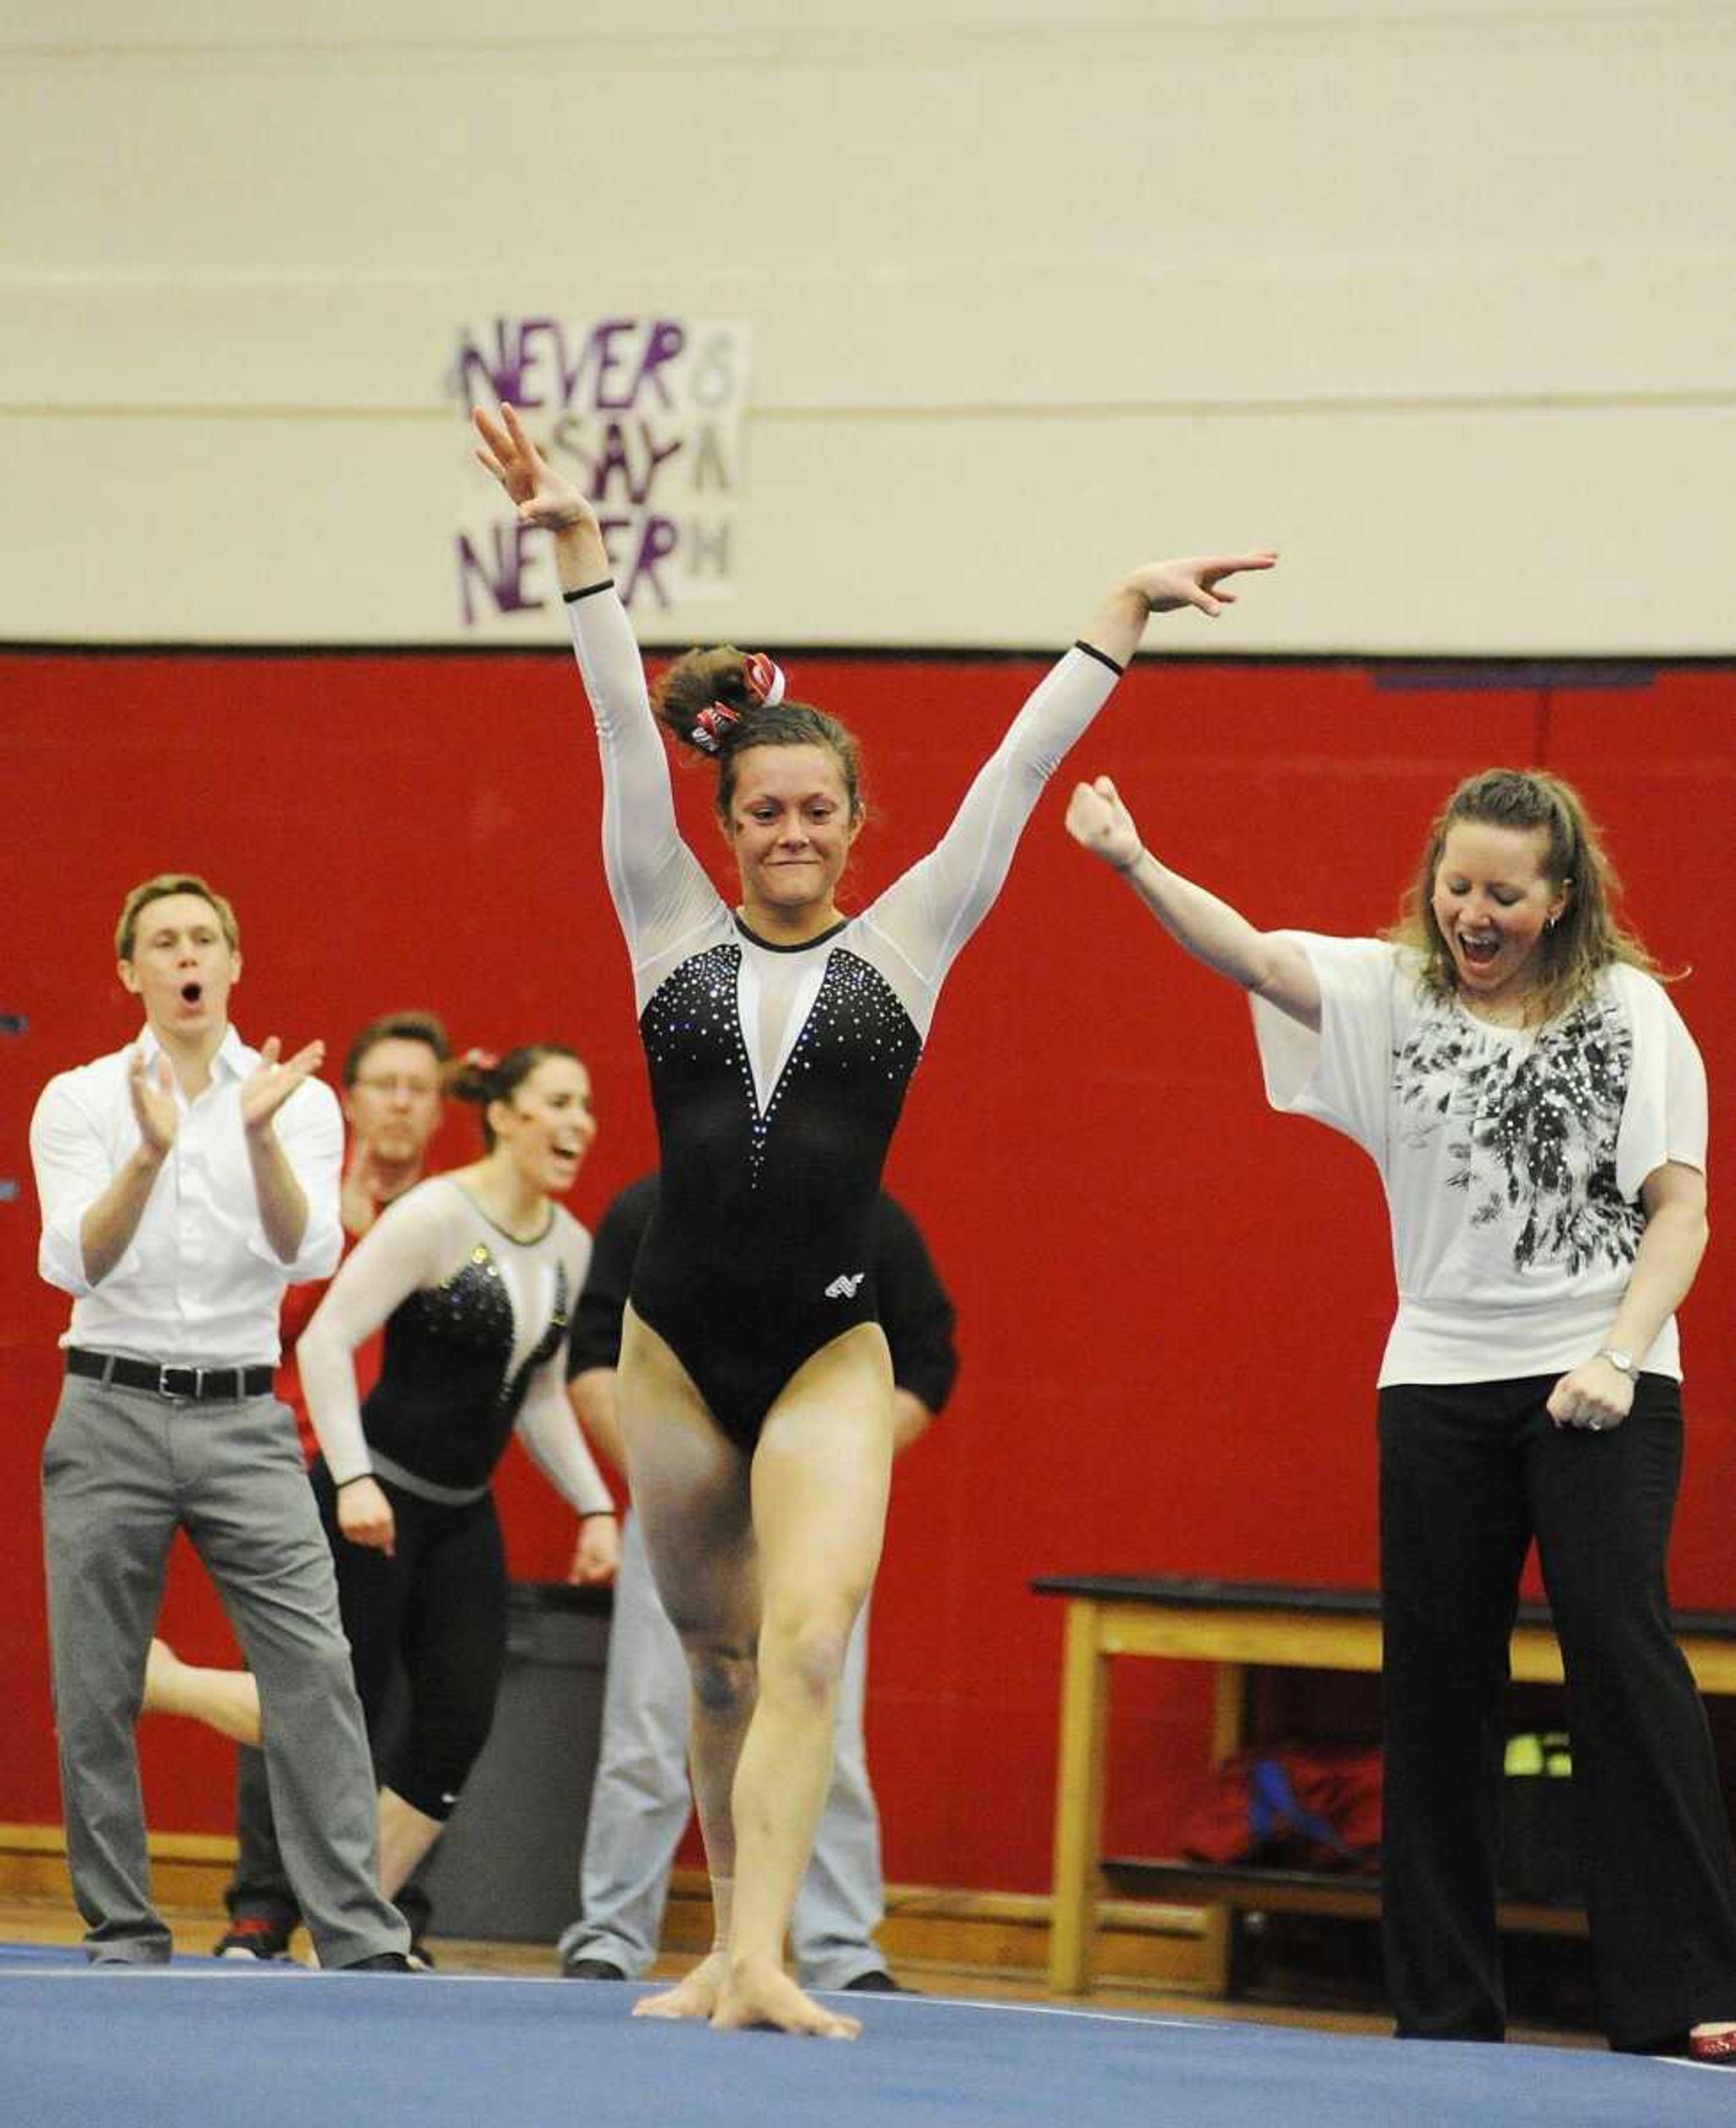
column 644, row 413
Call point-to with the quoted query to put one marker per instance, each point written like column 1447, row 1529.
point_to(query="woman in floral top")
column 1537, row 1113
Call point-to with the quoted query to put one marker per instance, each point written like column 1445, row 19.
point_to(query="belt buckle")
column 194, row 1377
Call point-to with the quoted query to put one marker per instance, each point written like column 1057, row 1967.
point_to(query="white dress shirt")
column 199, row 1285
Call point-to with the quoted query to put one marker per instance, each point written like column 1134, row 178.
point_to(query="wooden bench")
column 1239, row 1627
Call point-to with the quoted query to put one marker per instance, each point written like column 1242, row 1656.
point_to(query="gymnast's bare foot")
column 227, row 1701
column 695, row 1995
column 761, row 1995
column 162, row 1666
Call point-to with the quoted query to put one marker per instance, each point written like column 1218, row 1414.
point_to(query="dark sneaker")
column 421, row 1959
column 380, row 1961
column 254, row 1935
column 877, row 1981
column 591, row 1969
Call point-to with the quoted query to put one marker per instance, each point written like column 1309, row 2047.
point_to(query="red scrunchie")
column 764, row 677
column 713, row 726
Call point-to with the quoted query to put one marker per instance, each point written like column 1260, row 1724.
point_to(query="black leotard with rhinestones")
column 475, row 1327
column 448, row 1393
column 778, row 1074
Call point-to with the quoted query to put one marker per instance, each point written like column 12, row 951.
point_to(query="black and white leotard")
column 474, row 1349
column 476, row 1324
column 777, row 1073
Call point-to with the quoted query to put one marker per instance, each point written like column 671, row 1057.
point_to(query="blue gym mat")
column 209, row 2044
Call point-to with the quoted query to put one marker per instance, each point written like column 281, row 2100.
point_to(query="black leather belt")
column 204, row 1385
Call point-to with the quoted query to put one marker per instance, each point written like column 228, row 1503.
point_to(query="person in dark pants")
column 185, row 1181
column 640, row 1800
column 1538, row 1112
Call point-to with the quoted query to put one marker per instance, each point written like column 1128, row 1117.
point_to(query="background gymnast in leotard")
column 756, row 1391
column 473, row 1276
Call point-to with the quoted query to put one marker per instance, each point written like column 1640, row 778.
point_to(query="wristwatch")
column 1624, row 1363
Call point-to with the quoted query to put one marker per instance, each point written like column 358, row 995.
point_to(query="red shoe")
column 254, row 1935
column 1718, row 2046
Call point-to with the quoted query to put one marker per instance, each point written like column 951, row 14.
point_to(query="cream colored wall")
column 1438, row 299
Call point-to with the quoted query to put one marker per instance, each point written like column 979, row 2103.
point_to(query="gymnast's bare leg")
column 763, row 1566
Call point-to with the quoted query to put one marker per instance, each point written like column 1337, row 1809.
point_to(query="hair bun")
column 701, row 698
column 471, row 1077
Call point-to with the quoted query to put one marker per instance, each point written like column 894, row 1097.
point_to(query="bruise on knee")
column 724, row 1677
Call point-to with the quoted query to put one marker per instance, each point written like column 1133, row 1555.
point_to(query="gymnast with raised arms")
column 755, row 1390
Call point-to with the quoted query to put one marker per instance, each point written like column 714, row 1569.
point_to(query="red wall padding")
column 1172, row 1301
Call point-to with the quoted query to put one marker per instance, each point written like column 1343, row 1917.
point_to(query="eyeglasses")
column 417, row 1090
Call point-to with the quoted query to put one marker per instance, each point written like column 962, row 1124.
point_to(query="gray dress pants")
column 641, row 1803
column 123, row 1469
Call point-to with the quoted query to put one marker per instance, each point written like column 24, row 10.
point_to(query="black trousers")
column 1470, row 1474
column 427, row 1636
column 434, row 1615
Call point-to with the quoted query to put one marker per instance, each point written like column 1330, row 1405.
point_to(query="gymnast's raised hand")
column 544, row 496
